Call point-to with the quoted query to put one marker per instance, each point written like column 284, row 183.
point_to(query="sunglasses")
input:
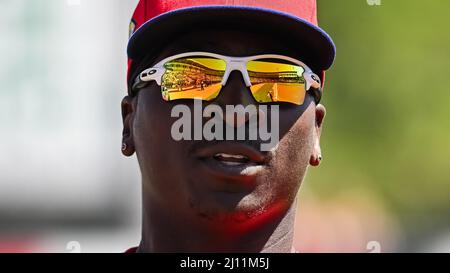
column 201, row 75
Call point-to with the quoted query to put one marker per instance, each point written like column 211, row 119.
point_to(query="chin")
column 231, row 212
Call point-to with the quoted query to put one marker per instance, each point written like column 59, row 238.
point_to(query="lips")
column 231, row 160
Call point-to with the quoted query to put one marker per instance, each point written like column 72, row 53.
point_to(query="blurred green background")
column 388, row 102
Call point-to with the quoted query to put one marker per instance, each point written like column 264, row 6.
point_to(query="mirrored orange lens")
column 276, row 81
column 192, row 78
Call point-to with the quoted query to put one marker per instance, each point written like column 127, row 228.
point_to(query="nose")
column 235, row 92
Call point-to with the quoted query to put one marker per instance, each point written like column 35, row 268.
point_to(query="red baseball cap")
column 156, row 22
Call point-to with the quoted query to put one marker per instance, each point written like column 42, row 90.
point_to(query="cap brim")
column 318, row 49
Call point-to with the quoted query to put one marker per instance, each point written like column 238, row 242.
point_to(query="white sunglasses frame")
column 156, row 72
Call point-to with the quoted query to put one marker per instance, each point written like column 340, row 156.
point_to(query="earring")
column 124, row 146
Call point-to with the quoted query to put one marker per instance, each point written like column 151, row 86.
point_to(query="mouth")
column 231, row 160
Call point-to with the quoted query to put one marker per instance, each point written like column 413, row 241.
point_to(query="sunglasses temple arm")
column 314, row 86
column 143, row 79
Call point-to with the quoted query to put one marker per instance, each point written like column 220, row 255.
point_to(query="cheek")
column 153, row 142
column 152, row 124
column 148, row 129
column 291, row 158
column 298, row 147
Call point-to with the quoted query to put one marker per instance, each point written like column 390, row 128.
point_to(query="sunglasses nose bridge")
column 240, row 66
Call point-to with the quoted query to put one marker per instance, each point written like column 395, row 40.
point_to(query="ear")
column 316, row 155
column 128, row 110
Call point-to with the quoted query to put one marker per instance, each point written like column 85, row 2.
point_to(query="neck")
column 162, row 232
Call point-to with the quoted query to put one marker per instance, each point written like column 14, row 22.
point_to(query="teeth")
column 231, row 156
column 231, row 159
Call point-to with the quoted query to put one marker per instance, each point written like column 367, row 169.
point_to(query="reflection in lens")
column 192, row 77
column 276, row 81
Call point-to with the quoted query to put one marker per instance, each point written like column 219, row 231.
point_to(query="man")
column 223, row 194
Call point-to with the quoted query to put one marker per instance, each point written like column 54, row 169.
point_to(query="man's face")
column 188, row 179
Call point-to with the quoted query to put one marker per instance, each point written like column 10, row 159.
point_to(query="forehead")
column 232, row 42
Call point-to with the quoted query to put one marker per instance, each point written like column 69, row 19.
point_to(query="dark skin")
column 189, row 207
